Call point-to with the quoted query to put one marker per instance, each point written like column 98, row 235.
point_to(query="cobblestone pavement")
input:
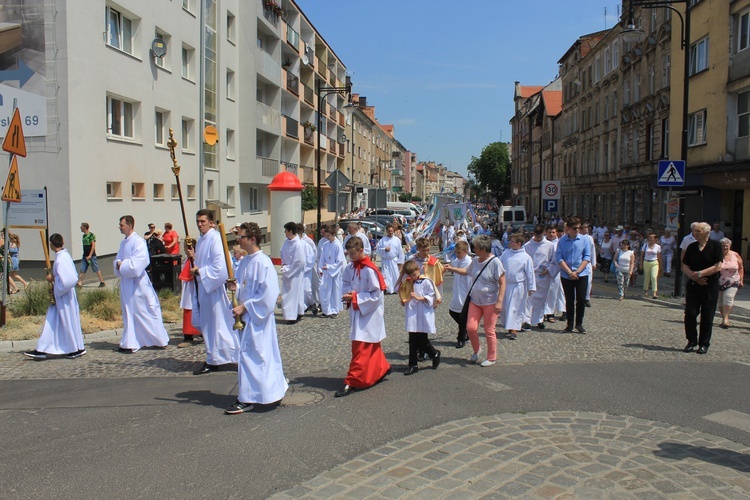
column 542, row 455
column 635, row 329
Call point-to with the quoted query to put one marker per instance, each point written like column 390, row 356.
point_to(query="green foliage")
column 33, row 301
column 492, row 169
column 416, row 198
column 405, row 197
column 309, row 199
column 101, row 303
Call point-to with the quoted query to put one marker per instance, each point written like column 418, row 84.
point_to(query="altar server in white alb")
column 461, row 285
column 62, row 326
column 520, row 283
column 542, row 253
column 293, row 264
column 391, row 258
column 141, row 309
column 261, row 375
column 555, row 296
column 331, row 265
column 212, row 311
column 312, row 278
column 363, row 292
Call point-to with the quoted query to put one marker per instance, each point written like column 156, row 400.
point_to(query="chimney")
column 362, row 101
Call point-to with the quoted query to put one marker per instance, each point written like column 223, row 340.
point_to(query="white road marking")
column 731, row 418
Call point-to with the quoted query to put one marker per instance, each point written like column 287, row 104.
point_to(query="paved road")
column 619, row 412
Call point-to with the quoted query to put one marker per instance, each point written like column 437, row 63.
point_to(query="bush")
column 33, row 301
column 101, row 303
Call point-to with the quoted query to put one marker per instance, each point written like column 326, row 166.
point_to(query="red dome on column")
column 286, row 181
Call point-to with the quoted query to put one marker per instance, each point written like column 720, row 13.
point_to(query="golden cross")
column 172, row 144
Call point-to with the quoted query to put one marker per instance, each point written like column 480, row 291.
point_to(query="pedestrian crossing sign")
column 671, row 173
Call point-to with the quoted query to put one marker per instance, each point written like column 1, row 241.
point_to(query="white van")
column 515, row 215
column 397, row 205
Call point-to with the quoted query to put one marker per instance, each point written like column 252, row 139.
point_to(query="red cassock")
column 368, row 365
column 187, row 314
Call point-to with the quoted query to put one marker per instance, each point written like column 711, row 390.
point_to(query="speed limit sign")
column 550, row 190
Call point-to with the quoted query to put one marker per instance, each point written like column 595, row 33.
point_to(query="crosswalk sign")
column 12, row 190
column 671, row 173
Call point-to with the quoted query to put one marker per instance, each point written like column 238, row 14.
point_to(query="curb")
column 23, row 345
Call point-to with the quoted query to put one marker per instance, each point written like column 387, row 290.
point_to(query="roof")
column 552, row 102
column 529, row 90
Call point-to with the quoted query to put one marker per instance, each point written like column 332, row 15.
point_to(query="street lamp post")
column 632, row 35
column 323, row 92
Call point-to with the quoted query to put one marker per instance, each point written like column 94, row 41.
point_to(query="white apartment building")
column 248, row 68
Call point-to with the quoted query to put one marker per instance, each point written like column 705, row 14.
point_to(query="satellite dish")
column 159, row 47
column 305, row 60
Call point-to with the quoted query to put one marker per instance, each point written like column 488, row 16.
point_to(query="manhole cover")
column 301, row 397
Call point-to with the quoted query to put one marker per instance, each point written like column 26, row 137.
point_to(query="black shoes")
column 436, row 360
column 102, row 285
column 238, row 408
column 568, row 329
column 703, row 349
column 541, row 326
column 588, row 303
column 512, row 335
column 411, row 370
column 460, row 344
column 344, row 391
column 690, row 347
column 525, row 327
column 580, row 329
column 122, row 350
column 206, row 368
column 36, row 354
column 76, row 354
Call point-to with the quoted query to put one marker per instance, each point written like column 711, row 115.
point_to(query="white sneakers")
column 486, row 363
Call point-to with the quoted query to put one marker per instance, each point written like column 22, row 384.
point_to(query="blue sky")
column 443, row 71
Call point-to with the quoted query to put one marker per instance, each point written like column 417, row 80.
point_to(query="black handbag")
column 465, row 309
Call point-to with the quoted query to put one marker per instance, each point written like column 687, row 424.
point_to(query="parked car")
column 371, row 226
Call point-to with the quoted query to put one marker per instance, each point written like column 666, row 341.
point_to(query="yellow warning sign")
column 14, row 142
column 12, row 190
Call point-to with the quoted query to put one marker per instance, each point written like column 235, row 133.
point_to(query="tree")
column 492, row 170
column 309, row 199
column 404, row 197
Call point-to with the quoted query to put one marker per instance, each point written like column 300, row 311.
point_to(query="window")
column 175, row 192
column 138, row 191
column 634, row 150
column 665, row 138
column 162, row 61
column 637, row 88
column 161, row 124
column 607, row 61
column 230, row 144
column 186, row 5
column 187, row 132
column 120, row 29
column 697, row 128
column 158, row 191
column 114, row 190
column 191, row 191
column 626, row 97
column 230, row 200
column 188, row 54
column 666, row 69
column 230, row 28
column 210, row 189
column 120, row 118
column 743, row 114
column 743, row 40
column 615, row 55
column 699, row 56
column 650, row 141
column 614, row 104
column 230, row 84
column 651, row 78
column 250, row 200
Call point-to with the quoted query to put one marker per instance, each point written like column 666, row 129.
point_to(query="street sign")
column 377, row 198
column 673, row 212
column 14, row 142
column 12, row 190
column 337, row 180
column 671, row 173
column 550, row 206
column 550, row 190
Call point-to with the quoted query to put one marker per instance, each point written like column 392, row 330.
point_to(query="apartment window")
column 120, row 30
column 650, row 141
column 230, row 84
column 120, row 118
column 697, row 128
column 191, row 191
column 252, row 200
column 597, row 70
column 230, row 144
column 138, row 191
column 188, row 55
column 230, row 200
column 626, row 97
column 637, row 88
column 665, row 138
column 614, row 104
column 651, row 78
column 186, row 5
column 161, row 125
column 187, row 132
column 634, row 150
column 231, row 35
column 114, row 190
column 743, row 40
column 614, row 155
column 743, row 114
column 175, row 194
column 210, row 189
column 162, row 61
column 607, row 61
column 653, row 20
column 158, row 191
column 666, row 69
column 615, row 55
column 699, row 56
column 606, row 107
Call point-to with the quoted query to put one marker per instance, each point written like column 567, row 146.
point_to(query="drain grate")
column 302, row 397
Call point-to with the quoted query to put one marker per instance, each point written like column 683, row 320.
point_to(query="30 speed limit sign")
column 551, row 190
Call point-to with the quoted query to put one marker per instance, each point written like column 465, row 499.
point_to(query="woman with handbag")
column 732, row 278
column 485, row 299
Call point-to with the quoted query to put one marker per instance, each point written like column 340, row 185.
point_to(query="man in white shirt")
column 716, row 233
column 355, row 232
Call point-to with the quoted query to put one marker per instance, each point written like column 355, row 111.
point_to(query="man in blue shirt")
column 573, row 256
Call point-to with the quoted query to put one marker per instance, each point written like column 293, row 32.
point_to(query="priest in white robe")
column 261, row 375
column 62, row 326
column 520, row 283
column 391, row 258
column 331, row 265
column 312, row 298
column 293, row 264
column 363, row 292
column 212, row 311
column 542, row 253
column 141, row 309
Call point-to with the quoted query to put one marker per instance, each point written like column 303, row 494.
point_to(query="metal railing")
column 291, row 127
column 309, row 95
column 292, row 83
column 268, row 166
column 290, row 167
column 269, row 67
column 292, row 38
column 268, row 117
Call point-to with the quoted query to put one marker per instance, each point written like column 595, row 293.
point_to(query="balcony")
column 342, row 120
column 309, row 135
column 268, row 167
column 309, row 95
column 342, row 149
column 292, row 83
column 332, row 145
column 268, row 14
column 268, row 67
column 323, row 108
column 291, row 127
column 310, row 54
column 292, row 38
column 290, row 167
column 307, row 175
column 267, row 118
column 321, row 67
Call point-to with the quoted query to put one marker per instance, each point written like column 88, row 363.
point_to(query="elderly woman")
column 701, row 263
column 650, row 264
column 486, row 297
column 624, row 267
column 606, row 253
column 731, row 279
column 668, row 246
